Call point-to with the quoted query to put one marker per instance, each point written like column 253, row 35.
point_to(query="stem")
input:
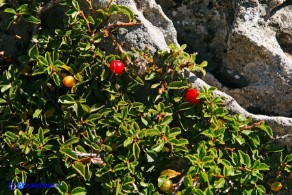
column 109, row 4
column 178, row 185
column 86, row 21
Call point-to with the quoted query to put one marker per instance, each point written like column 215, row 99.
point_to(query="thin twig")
column 83, row 154
column 109, row 4
column 248, row 127
column 86, row 21
column 122, row 24
column 178, row 185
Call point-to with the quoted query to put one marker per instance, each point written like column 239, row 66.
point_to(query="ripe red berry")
column 191, row 96
column 117, row 66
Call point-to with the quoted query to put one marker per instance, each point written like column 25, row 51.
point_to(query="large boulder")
column 247, row 44
column 155, row 32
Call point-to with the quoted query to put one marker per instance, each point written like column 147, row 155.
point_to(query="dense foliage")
column 135, row 132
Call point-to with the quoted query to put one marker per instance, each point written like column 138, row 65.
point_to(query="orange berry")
column 276, row 186
column 69, row 81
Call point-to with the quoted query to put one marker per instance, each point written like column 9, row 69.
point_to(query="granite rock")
column 247, row 45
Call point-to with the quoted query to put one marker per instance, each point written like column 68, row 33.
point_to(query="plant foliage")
column 115, row 134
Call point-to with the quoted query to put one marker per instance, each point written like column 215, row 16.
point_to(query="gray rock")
column 247, row 44
column 282, row 126
column 155, row 32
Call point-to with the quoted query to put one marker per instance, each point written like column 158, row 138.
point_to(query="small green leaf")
column 2, row 3
column 75, row 5
column 188, row 181
column 204, row 177
column 69, row 152
column 261, row 188
column 136, row 150
column 66, row 99
column 267, row 129
column 178, row 85
column 22, row 9
column 41, row 135
column 158, row 147
column 78, row 191
column 262, row 167
column 33, row 52
column 70, row 141
column 63, row 188
column 57, row 79
column 113, row 9
column 17, row 192
column 128, row 141
column 244, row 158
column 68, row 68
column 228, row 171
column 10, row 10
column 166, row 121
column 80, row 168
column 32, row 19
column 219, row 183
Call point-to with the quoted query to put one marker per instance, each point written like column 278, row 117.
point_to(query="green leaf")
column 81, row 109
column 261, row 188
column 17, row 192
column 123, row 130
column 151, row 132
column 267, row 129
column 57, row 79
column 66, row 99
column 198, row 192
column 244, row 158
column 158, row 147
column 2, row 3
column 127, row 11
column 136, row 150
column 41, row 135
column 188, row 181
column 166, row 121
column 63, row 188
column 138, row 80
column 113, row 9
column 219, row 183
column 75, row 5
column 204, row 177
column 228, row 171
column 70, row 141
column 33, row 52
column 69, row 152
column 68, row 68
column 42, row 61
column 289, row 158
column 10, row 10
column 175, row 131
column 262, row 167
column 22, row 9
column 128, row 141
column 32, row 19
column 78, row 191
column 220, row 112
column 6, row 87
column 178, row 85
column 80, row 168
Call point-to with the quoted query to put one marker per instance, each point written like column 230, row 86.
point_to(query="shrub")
column 126, row 133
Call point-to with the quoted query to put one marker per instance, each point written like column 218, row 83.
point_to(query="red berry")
column 117, row 66
column 191, row 96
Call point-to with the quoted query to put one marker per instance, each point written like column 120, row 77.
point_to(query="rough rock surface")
column 247, row 44
column 156, row 31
